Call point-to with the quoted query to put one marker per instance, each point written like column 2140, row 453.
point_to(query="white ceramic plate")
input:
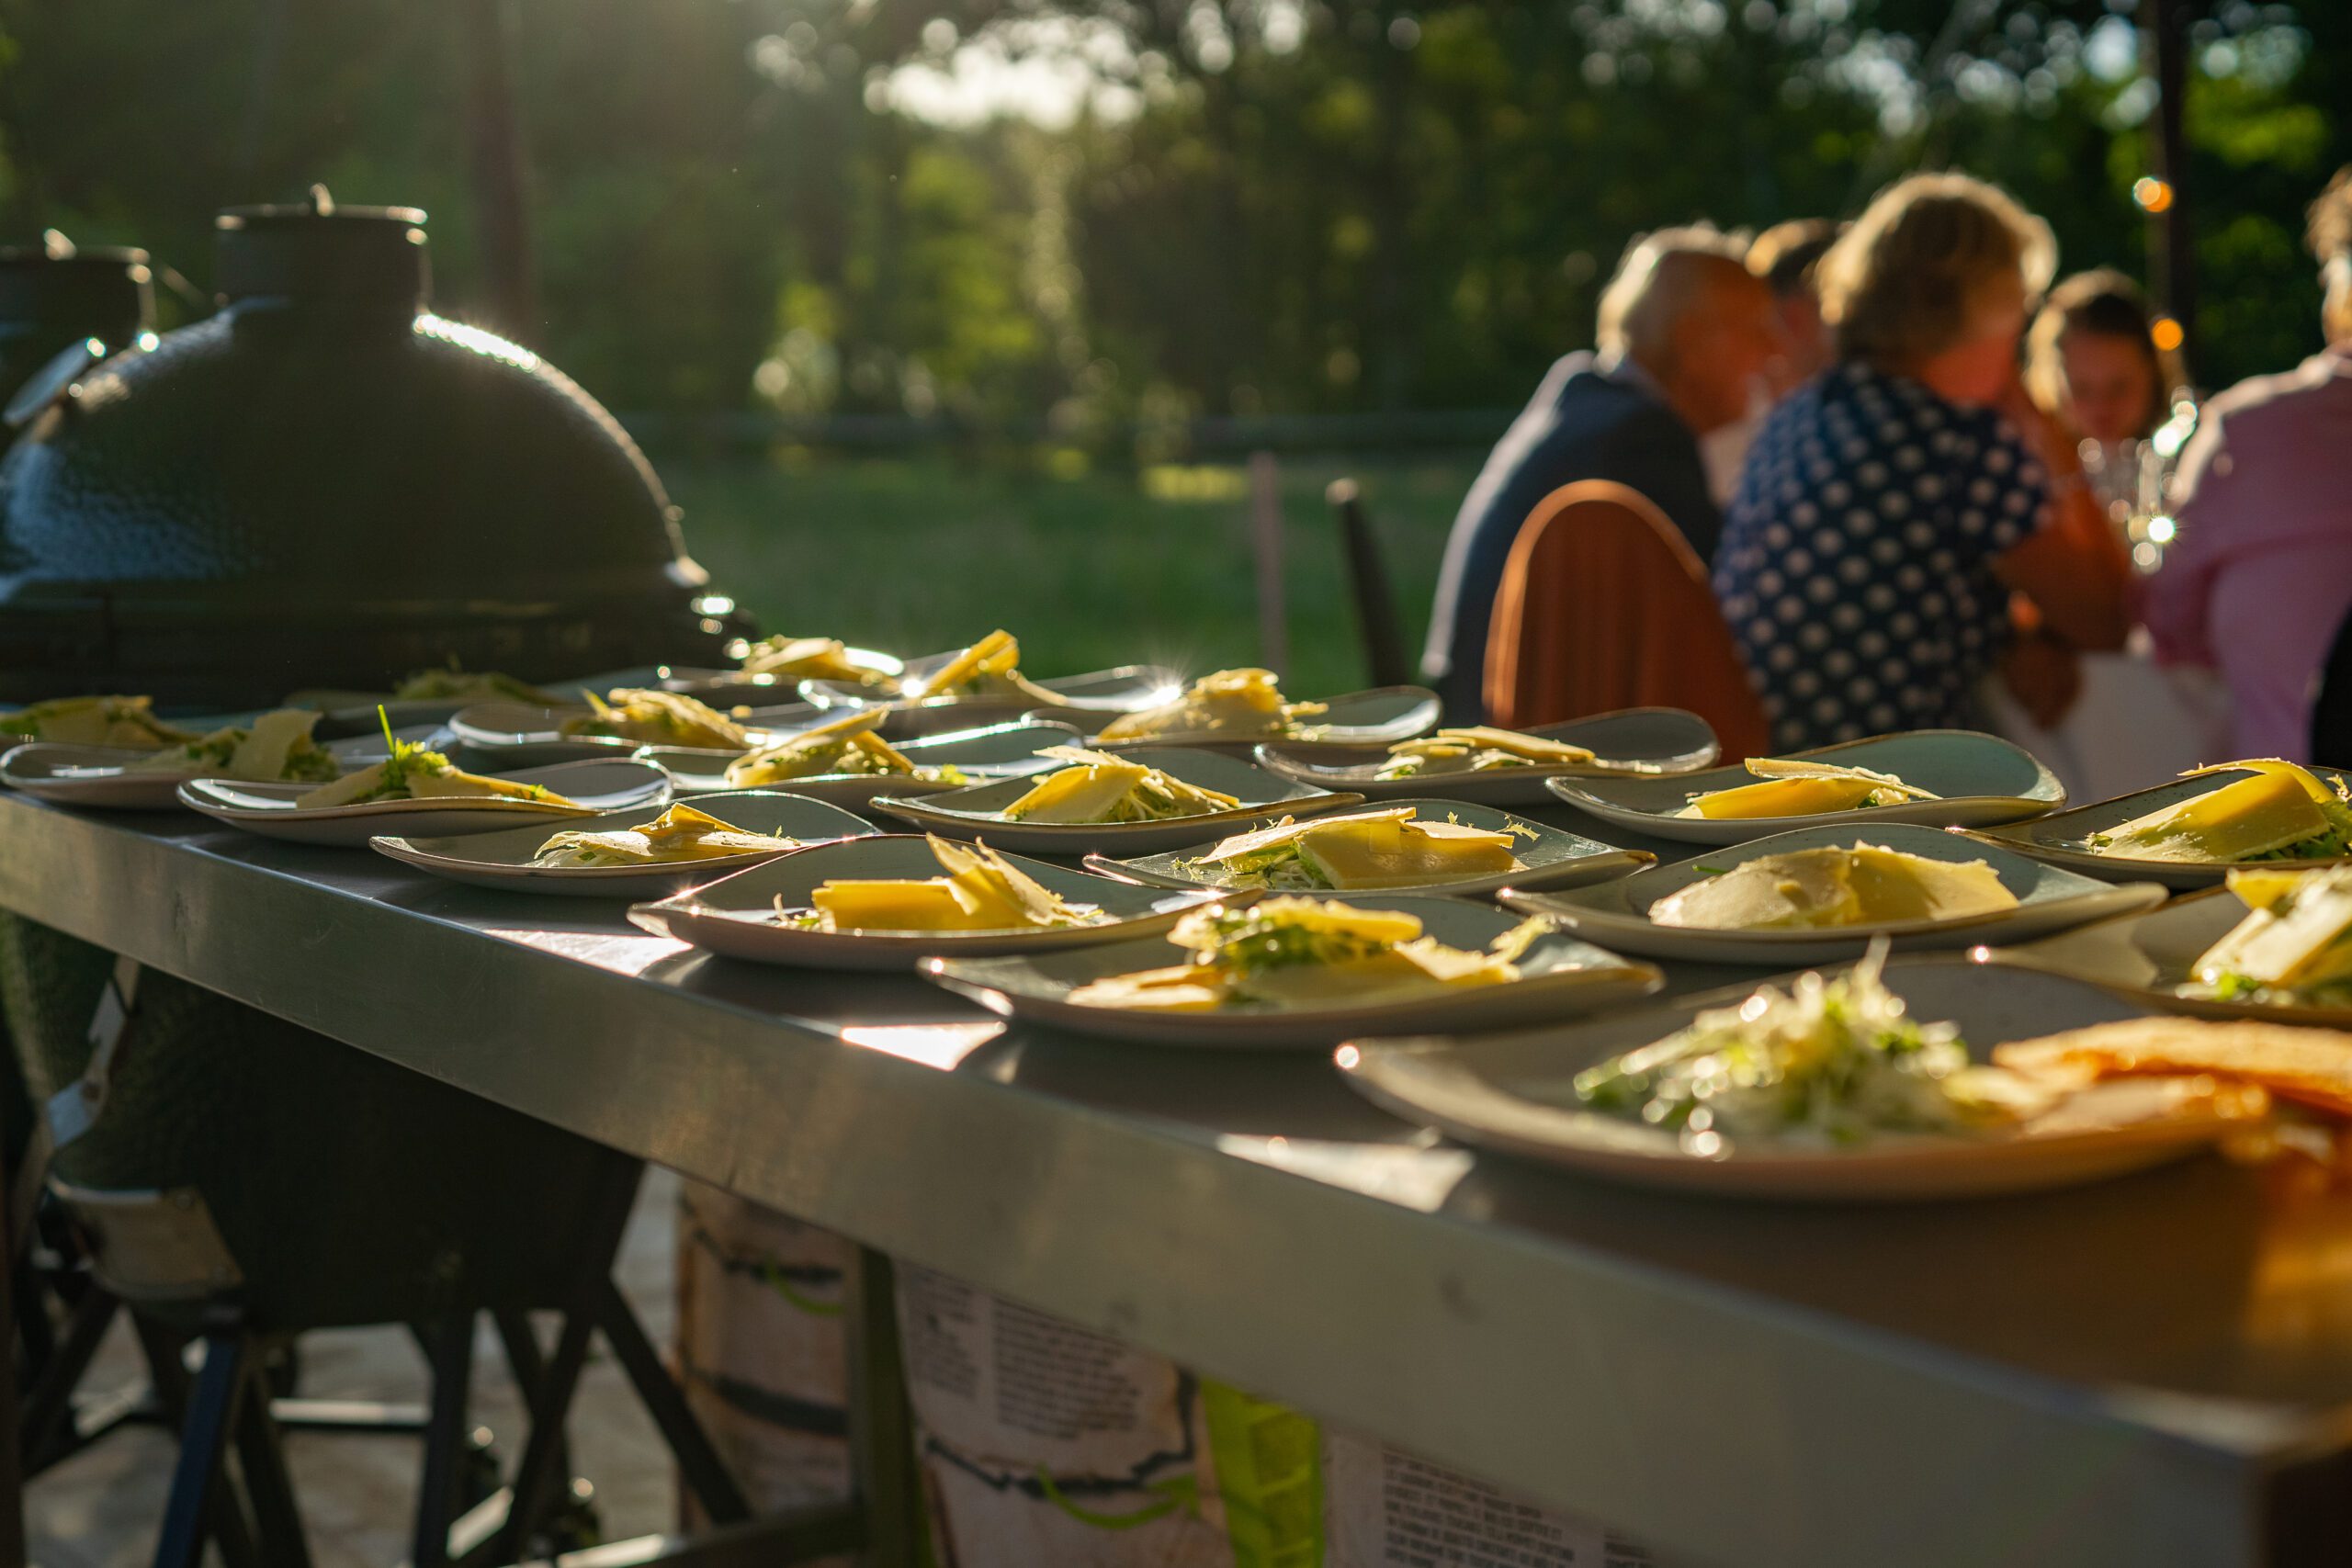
column 515, row 735
column 1088, row 701
column 2148, row 954
column 96, row 777
column 722, row 687
column 1347, row 726
column 1513, row 1093
column 972, row 811
column 1983, row 779
column 344, row 707
column 2059, row 839
column 615, row 785
column 1552, row 857
column 503, row 859
column 2049, row 899
column 1558, row 976
column 1641, row 741
column 1000, row 751
column 734, row 915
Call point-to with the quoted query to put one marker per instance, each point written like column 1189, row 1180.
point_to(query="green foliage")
column 1336, row 206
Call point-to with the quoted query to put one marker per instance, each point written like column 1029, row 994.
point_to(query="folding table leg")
column 537, row 1472
column 881, row 1436
column 200, row 1505
column 698, row 1458
column 261, row 1462
column 450, row 1348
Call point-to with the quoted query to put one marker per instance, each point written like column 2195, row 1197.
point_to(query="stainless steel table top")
column 2156, row 1369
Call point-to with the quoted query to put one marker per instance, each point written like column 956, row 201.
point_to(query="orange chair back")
column 1605, row 605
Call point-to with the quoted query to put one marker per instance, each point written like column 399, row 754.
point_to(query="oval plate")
column 1558, row 976
column 2049, row 899
column 1000, row 751
column 96, row 776
column 1347, row 726
column 515, row 735
column 1086, row 701
column 1549, row 857
column 2058, row 838
column 1511, row 1093
column 1983, row 779
column 972, row 811
column 732, row 916
column 1637, row 742
column 503, row 859
column 2147, row 954
column 614, row 784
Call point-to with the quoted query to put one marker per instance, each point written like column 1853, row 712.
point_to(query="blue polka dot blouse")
column 1856, row 568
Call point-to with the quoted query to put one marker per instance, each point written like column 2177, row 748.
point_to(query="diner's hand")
column 2044, row 673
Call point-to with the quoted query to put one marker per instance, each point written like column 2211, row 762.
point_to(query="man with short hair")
column 2260, row 576
column 1784, row 257
column 1683, row 332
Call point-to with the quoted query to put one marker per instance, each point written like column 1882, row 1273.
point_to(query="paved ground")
column 101, row 1508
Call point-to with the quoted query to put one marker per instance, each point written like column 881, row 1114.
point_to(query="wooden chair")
column 1605, row 605
column 1379, row 625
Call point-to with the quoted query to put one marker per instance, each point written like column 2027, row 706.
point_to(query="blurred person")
column 2092, row 364
column 1783, row 256
column 1683, row 331
column 2260, row 577
column 1786, row 257
column 1888, row 511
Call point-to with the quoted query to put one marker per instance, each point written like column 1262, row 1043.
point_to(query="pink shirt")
column 2260, row 578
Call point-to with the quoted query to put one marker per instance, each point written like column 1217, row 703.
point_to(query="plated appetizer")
column 1393, row 847
column 2311, row 1068
column 1099, row 788
column 990, row 668
column 1819, row 895
column 842, row 747
column 2292, row 950
column 657, row 718
column 1290, row 973
column 679, row 834
column 1826, row 887
column 276, row 746
column 1794, row 787
column 1479, row 749
column 458, row 685
column 982, row 891
column 416, row 773
column 808, row 659
column 2284, row 812
column 1231, row 702
column 1874, row 1085
column 1290, row 951
column 126, row 722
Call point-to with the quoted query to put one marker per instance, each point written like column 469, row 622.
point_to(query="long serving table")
column 2156, row 1369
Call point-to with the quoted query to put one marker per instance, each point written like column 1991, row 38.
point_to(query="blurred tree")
column 1242, row 206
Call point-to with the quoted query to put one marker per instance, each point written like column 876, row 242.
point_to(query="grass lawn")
column 1106, row 568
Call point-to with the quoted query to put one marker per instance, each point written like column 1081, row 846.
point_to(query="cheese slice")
column 810, row 658
column 1091, row 792
column 1813, row 889
column 2279, row 807
column 1242, row 845
column 1471, row 738
column 424, row 782
column 262, row 755
column 982, row 891
column 1796, row 787
column 1370, row 854
column 2297, row 931
column 660, row 718
column 823, row 749
column 2313, row 1067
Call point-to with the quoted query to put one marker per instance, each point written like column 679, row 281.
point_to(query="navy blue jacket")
column 1581, row 425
